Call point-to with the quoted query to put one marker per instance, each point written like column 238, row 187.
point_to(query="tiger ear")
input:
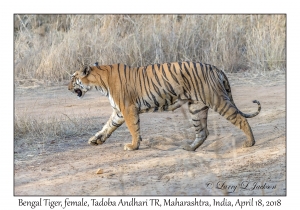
column 85, row 70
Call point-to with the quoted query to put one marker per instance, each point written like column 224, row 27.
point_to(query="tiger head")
column 79, row 83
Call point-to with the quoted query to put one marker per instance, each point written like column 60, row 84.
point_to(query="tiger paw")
column 96, row 140
column 249, row 143
column 188, row 147
column 130, row 147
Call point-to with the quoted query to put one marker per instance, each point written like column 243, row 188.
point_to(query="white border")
column 153, row 6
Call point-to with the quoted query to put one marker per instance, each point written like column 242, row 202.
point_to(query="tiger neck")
column 99, row 78
column 102, row 90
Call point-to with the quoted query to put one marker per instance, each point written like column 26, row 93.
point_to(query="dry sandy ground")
column 221, row 166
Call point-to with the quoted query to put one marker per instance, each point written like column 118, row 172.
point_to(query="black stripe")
column 240, row 124
column 119, row 115
column 207, row 81
column 146, row 78
column 138, row 101
column 186, row 70
column 125, row 72
column 119, row 73
column 155, row 75
column 198, row 130
column 204, row 72
column 165, row 93
column 115, row 124
column 156, row 89
column 171, row 99
column 202, row 89
column 166, row 105
column 170, row 88
column 191, row 79
column 185, row 80
column 146, row 103
column 216, row 81
column 185, row 94
column 179, row 63
column 154, row 99
column 164, row 73
column 225, row 111
column 102, row 82
column 196, row 120
column 137, row 122
column 169, row 66
column 140, row 75
column 173, row 76
column 232, row 116
column 197, row 111
column 197, row 91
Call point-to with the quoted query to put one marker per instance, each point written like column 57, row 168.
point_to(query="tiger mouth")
column 79, row 92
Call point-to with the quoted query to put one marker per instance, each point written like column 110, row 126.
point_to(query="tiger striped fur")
column 161, row 87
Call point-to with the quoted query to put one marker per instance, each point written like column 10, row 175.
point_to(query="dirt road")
column 221, row 166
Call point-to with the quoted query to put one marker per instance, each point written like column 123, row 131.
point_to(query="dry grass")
column 28, row 129
column 34, row 127
column 47, row 46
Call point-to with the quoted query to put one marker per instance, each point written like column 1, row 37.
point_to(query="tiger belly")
column 159, row 105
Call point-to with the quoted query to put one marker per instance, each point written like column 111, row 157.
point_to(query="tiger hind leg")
column 198, row 112
column 232, row 114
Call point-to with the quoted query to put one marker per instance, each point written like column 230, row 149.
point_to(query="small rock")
column 100, row 171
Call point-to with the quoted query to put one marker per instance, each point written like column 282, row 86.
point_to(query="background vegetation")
column 47, row 46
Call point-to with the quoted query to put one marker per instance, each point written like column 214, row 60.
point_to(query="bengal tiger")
column 161, row 87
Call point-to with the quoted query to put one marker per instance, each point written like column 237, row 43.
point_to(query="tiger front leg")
column 115, row 121
column 132, row 120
